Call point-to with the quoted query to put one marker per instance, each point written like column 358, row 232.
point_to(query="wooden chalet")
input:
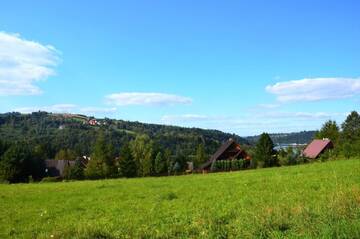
column 56, row 168
column 230, row 150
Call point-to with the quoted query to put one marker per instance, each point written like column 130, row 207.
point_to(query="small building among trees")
column 230, row 156
column 58, row 168
column 317, row 147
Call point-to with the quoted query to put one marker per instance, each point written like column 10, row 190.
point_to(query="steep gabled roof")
column 218, row 153
column 316, row 147
column 235, row 152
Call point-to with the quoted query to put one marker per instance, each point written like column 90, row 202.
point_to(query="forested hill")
column 302, row 137
column 78, row 132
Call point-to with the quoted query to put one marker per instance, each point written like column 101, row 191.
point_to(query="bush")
column 74, row 172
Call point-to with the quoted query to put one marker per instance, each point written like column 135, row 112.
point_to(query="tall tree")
column 264, row 151
column 351, row 126
column 127, row 163
column 102, row 161
column 142, row 151
column 329, row 130
column 200, row 157
column 350, row 137
column 160, row 163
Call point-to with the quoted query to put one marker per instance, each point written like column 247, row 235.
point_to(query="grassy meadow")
column 318, row 200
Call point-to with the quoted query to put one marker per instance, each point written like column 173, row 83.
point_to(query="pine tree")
column 329, row 130
column 264, row 151
column 102, row 161
column 127, row 163
column 350, row 137
column 351, row 126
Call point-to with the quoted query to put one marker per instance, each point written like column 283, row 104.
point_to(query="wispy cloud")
column 66, row 108
column 137, row 98
column 23, row 63
column 314, row 89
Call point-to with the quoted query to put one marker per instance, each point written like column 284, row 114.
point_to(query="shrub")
column 74, row 172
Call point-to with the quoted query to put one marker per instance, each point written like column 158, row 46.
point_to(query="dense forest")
column 55, row 132
column 303, row 137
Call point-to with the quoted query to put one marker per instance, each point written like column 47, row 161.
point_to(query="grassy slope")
column 314, row 200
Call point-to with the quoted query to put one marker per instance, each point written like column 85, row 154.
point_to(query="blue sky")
column 237, row 66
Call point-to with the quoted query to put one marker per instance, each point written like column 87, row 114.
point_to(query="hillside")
column 302, row 137
column 318, row 200
column 78, row 132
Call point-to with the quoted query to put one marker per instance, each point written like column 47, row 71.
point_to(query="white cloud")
column 23, row 63
column 137, row 98
column 314, row 89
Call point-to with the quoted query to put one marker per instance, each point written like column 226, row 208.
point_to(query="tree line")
column 142, row 155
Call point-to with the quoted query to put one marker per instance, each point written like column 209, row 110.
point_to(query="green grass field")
column 318, row 200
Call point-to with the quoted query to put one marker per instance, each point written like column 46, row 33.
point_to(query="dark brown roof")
column 225, row 150
column 221, row 150
column 316, row 147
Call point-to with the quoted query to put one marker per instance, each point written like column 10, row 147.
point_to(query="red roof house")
column 317, row 147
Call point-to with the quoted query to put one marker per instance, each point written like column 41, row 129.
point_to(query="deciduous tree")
column 142, row 151
column 200, row 157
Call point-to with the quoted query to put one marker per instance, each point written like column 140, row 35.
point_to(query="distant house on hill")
column 230, row 150
column 317, row 147
column 93, row 122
